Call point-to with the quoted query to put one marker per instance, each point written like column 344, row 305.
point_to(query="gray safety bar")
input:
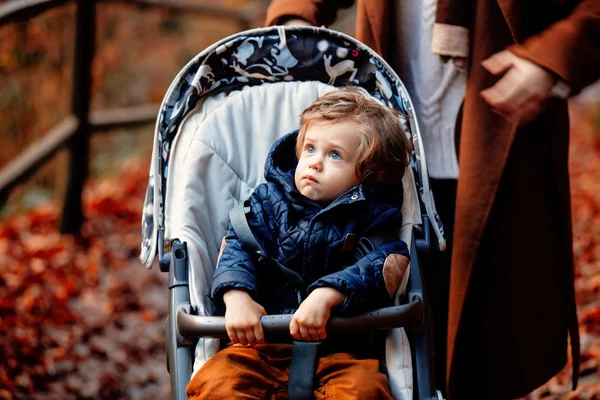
column 278, row 325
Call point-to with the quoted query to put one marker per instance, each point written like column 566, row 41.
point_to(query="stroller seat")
column 213, row 157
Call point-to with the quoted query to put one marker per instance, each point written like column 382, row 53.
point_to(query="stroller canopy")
column 268, row 55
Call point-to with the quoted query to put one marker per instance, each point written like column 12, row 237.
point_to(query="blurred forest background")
column 79, row 315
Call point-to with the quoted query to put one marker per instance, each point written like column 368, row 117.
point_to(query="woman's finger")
column 499, row 62
column 508, row 93
column 297, row 22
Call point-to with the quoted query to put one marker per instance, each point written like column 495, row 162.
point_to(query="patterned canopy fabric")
column 263, row 56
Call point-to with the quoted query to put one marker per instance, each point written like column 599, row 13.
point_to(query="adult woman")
column 511, row 301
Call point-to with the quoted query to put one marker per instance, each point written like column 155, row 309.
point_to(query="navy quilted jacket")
column 308, row 238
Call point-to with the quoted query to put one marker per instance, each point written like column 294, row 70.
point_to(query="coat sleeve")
column 236, row 268
column 371, row 282
column 570, row 47
column 317, row 12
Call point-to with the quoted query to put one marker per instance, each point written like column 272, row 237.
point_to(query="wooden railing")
column 74, row 131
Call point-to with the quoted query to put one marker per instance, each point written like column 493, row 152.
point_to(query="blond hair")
column 384, row 147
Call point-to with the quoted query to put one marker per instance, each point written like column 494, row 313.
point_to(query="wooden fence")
column 74, row 131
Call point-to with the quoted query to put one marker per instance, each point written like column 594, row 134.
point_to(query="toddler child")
column 335, row 180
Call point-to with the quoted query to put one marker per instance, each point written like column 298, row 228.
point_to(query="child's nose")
column 316, row 163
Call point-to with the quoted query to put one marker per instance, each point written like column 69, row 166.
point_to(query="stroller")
column 216, row 125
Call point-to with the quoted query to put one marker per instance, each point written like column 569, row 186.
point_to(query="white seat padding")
column 218, row 159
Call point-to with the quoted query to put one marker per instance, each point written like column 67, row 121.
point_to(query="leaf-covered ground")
column 82, row 318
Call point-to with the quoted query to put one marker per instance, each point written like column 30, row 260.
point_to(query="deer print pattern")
column 339, row 69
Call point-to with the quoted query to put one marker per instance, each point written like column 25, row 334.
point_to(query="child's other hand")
column 242, row 318
column 308, row 322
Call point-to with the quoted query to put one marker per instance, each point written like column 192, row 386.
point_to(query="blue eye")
column 310, row 149
column 335, row 155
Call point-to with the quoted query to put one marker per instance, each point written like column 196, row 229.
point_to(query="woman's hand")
column 296, row 22
column 308, row 322
column 242, row 318
column 522, row 92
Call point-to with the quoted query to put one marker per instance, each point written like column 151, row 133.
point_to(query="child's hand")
column 308, row 322
column 242, row 318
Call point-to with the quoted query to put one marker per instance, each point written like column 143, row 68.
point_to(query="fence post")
column 78, row 146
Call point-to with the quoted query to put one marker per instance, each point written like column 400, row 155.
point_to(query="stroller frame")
column 198, row 80
column 182, row 326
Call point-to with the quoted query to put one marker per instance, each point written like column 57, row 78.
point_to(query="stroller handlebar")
column 405, row 315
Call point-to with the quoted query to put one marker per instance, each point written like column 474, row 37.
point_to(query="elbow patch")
column 395, row 274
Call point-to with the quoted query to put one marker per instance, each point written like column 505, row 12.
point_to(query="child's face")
column 327, row 163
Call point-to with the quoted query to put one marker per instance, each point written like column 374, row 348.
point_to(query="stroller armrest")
column 405, row 315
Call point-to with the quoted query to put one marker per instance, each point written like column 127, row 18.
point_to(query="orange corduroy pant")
column 261, row 372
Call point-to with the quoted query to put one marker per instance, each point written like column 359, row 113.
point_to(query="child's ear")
column 380, row 176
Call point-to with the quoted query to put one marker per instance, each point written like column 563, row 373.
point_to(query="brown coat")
column 511, row 294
